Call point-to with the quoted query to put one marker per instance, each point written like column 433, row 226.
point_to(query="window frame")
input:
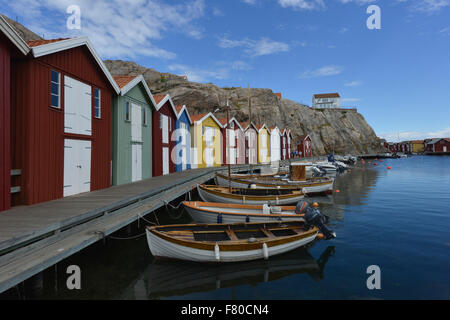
column 127, row 111
column 99, row 99
column 59, row 89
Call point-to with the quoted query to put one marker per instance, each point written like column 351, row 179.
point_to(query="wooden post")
column 228, row 147
column 250, row 124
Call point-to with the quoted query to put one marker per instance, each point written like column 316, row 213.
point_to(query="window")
column 97, row 105
column 144, row 116
column 56, row 89
column 127, row 111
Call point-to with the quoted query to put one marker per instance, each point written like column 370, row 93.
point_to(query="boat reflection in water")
column 169, row 279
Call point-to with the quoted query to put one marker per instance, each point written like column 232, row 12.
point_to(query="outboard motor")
column 314, row 217
column 318, row 171
column 331, row 158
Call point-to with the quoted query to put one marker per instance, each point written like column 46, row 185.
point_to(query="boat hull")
column 201, row 215
column 209, row 196
column 163, row 248
column 318, row 188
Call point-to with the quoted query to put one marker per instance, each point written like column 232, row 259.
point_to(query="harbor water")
column 398, row 220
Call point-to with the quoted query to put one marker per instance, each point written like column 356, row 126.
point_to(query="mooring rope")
column 170, row 207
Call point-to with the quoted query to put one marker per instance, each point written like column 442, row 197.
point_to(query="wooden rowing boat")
column 213, row 193
column 228, row 242
column 313, row 186
column 212, row 212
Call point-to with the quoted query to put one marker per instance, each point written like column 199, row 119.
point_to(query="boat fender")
column 251, row 186
column 219, row 218
column 265, row 251
column 247, row 218
column 251, row 239
column 217, row 252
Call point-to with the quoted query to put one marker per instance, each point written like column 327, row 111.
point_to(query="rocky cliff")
column 344, row 131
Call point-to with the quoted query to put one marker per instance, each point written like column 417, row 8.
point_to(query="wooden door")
column 77, row 166
column 77, row 107
column 136, row 162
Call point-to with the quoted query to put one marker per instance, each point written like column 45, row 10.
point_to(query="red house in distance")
column 62, row 96
column 304, row 146
column 163, row 126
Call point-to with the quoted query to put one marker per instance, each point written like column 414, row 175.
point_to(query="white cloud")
column 430, row 6
column 261, row 47
column 217, row 12
column 353, row 83
column 325, row 71
column 360, row 2
column 302, row 4
column 414, row 135
column 445, row 31
column 117, row 28
column 249, row 1
column 221, row 70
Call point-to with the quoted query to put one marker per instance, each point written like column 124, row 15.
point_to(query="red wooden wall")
column 38, row 129
column 157, row 152
column 5, row 167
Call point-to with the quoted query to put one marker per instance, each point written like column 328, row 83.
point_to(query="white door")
column 136, row 162
column 77, row 166
column 232, row 155
column 164, row 125
column 445, row 148
column 165, row 161
column 209, row 154
column 183, row 127
column 77, row 107
column 136, row 122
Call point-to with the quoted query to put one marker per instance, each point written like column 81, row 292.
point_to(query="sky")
column 397, row 76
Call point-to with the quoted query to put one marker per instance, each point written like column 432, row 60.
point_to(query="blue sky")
column 398, row 76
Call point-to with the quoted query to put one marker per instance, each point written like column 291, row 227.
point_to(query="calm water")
column 397, row 219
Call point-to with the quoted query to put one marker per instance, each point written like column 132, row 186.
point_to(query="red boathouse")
column 163, row 126
column 304, row 146
column 61, row 120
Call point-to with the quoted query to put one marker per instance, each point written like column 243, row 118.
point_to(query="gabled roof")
column 162, row 99
column 44, row 47
column 259, row 127
column 327, row 95
column 13, row 36
column 223, row 121
column 182, row 108
column 198, row 118
column 304, row 136
column 433, row 141
column 273, row 129
column 246, row 125
column 36, row 43
column 126, row 83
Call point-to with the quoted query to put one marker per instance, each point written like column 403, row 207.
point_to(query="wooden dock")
column 33, row 238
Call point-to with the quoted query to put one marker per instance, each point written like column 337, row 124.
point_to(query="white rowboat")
column 211, row 212
column 228, row 242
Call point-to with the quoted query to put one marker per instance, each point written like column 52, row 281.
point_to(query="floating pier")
column 33, row 238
